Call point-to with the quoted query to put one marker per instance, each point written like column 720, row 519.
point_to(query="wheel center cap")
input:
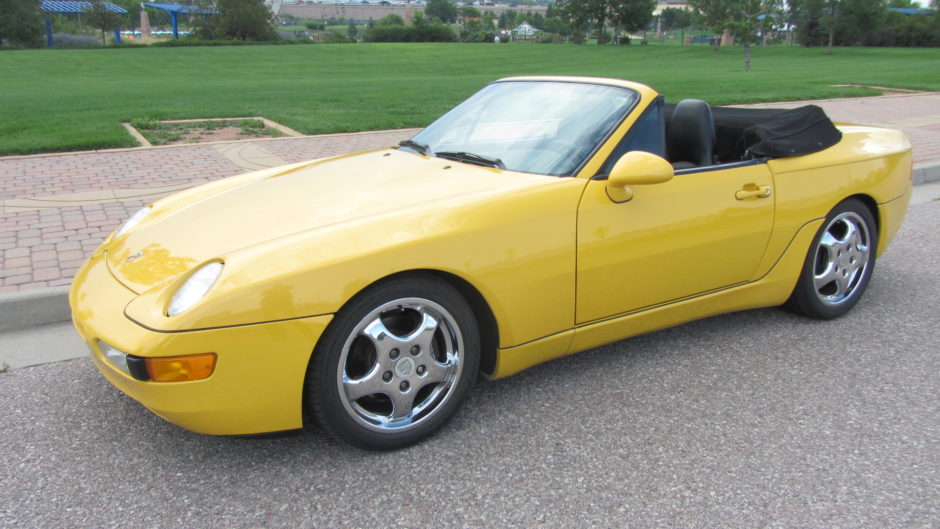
column 405, row 367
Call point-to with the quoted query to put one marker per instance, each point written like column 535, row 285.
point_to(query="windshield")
column 528, row 126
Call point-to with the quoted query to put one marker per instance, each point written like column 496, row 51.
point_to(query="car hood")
column 211, row 221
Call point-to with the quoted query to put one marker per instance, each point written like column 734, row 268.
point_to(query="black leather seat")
column 691, row 141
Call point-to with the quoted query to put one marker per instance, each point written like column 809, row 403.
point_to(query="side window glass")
column 647, row 134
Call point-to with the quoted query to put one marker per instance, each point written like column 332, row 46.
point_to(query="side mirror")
column 636, row 168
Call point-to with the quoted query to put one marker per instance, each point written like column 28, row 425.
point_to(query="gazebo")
column 69, row 7
column 525, row 31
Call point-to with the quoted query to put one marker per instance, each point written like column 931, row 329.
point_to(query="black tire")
column 839, row 263
column 394, row 364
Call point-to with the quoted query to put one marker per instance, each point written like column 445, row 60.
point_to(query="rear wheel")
column 839, row 264
column 394, row 364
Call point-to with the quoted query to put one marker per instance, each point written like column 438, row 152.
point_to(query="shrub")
column 67, row 40
column 478, row 36
column 906, row 30
column 199, row 42
column 237, row 20
column 391, row 20
column 337, row 38
column 20, row 24
column 423, row 33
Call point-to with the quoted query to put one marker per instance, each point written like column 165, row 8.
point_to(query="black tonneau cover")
column 795, row 132
column 746, row 133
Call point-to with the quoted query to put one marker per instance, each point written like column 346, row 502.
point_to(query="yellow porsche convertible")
column 538, row 218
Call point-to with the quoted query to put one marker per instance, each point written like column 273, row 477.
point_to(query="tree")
column 714, row 14
column 676, row 18
column 353, row 32
column 466, row 12
column 507, row 19
column 442, row 10
column 860, row 23
column 133, row 8
column 631, row 15
column 626, row 15
column 848, row 22
column 899, row 29
column 585, row 14
column 752, row 17
column 473, row 31
column 391, row 20
column 858, row 18
column 743, row 18
column 832, row 13
column 556, row 25
column 807, row 16
column 21, row 23
column 99, row 15
column 238, row 20
column 535, row 19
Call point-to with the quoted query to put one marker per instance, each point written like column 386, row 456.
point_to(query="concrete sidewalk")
column 56, row 209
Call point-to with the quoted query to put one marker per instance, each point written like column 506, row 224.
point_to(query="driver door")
column 705, row 229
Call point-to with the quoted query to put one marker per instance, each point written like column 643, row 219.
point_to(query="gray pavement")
column 754, row 419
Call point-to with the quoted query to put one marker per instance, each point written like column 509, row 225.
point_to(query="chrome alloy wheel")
column 400, row 364
column 842, row 259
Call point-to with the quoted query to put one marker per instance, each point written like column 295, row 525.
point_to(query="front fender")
column 517, row 249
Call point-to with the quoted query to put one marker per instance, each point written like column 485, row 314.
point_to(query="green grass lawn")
column 59, row 100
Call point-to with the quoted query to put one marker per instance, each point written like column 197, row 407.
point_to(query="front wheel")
column 394, row 364
column 839, row 264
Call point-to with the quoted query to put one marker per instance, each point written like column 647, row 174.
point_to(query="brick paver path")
column 56, row 209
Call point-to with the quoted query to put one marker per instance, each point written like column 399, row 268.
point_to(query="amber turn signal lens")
column 180, row 368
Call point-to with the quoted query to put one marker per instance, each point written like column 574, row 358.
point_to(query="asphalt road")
column 756, row 419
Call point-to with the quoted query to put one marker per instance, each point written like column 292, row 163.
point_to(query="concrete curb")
column 30, row 308
column 926, row 173
column 42, row 306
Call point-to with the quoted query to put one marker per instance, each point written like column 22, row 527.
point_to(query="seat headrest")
column 692, row 133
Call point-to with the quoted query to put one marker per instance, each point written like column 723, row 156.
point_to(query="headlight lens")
column 194, row 288
column 133, row 221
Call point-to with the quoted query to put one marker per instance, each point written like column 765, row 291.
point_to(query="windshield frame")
column 613, row 126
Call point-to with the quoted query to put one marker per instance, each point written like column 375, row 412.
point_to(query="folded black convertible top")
column 795, row 132
column 743, row 133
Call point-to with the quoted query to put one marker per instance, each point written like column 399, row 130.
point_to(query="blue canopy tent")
column 174, row 10
column 69, row 7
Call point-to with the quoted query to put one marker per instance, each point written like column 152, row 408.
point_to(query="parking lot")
column 755, row 419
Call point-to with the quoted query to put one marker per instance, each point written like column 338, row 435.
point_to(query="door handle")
column 753, row 191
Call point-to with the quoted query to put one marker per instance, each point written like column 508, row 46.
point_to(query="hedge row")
column 423, row 33
column 198, row 42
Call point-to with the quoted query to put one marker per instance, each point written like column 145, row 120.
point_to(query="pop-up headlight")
column 195, row 288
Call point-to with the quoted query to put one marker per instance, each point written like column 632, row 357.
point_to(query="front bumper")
column 257, row 385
